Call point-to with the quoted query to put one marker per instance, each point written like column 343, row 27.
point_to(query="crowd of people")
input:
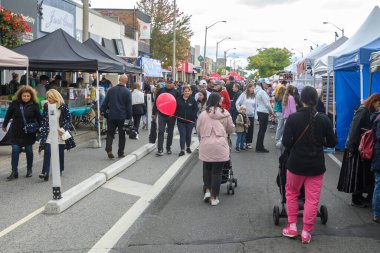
column 216, row 110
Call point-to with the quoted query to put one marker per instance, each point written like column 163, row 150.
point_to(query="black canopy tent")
column 129, row 68
column 58, row 51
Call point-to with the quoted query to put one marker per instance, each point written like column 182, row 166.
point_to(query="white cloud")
column 254, row 24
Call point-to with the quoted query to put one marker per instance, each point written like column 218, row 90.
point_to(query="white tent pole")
column 27, row 76
column 361, row 84
column 327, row 92
column 98, row 107
column 334, row 105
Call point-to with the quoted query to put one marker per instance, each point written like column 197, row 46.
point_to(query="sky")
column 254, row 24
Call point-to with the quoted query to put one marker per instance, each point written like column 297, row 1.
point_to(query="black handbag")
column 29, row 128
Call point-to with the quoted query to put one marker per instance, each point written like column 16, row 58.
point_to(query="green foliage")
column 161, row 12
column 269, row 60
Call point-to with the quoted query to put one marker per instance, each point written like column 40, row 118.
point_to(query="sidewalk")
column 28, row 194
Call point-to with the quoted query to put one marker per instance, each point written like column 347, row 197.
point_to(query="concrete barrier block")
column 75, row 194
column 143, row 151
column 119, row 166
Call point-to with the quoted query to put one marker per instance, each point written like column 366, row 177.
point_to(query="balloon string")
column 182, row 119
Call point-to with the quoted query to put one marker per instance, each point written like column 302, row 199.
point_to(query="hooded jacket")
column 213, row 128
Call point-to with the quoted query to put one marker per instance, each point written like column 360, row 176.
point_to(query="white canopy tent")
column 12, row 60
column 367, row 32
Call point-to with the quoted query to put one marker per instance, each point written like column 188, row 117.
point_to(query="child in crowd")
column 242, row 124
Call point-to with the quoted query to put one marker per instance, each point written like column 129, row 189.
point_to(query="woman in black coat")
column 64, row 122
column 355, row 175
column 26, row 100
column 306, row 133
column 187, row 109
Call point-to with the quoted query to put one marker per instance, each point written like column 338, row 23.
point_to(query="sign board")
column 151, row 67
column 144, row 30
column 200, row 58
column 54, row 19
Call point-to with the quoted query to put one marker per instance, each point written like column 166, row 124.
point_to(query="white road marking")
column 127, row 186
column 22, row 221
column 109, row 240
column 336, row 160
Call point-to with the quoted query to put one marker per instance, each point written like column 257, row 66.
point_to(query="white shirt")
column 263, row 101
column 137, row 97
column 249, row 103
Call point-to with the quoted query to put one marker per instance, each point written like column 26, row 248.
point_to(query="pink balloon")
column 166, row 104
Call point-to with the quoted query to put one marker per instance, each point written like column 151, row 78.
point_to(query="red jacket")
column 226, row 103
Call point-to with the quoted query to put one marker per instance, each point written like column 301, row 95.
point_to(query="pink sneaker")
column 306, row 237
column 288, row 232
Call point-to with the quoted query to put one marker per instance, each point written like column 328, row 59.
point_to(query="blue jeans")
column 16, row 150
column 376, row 196
column 185, row 131
column 240, row 140
column 47, row 158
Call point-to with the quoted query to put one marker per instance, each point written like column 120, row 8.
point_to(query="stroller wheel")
column 276, row 215
column 235, row 182
column 324, row 214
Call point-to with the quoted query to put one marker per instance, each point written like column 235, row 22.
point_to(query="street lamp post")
column 174, row 42
column 217, row 45
column 225, row 56
column 204, row 51
column 311, row 42
column 341, row 29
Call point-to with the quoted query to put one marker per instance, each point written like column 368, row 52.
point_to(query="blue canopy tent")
column 352, row 82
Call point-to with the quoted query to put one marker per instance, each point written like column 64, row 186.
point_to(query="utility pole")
column 86, row 21
column 174, row 42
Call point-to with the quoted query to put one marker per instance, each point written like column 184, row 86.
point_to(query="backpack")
column 367, row 142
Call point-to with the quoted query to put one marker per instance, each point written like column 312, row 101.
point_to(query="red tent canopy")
column 215, row 76
column 236, row 76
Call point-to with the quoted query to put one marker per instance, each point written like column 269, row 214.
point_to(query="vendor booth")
column 9, row 60
column 58, row 51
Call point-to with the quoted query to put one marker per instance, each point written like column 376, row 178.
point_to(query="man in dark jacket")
column 230, row 86
column 164, row 121
column 237, row 93
column 118, row 101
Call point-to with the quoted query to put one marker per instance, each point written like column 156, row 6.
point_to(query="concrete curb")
column 144, row 150
column 76, row 193
column 118, row 166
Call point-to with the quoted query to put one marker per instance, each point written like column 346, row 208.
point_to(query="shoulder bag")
column 29, row 128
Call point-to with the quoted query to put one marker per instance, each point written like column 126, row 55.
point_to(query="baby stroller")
column 281, row 182
column 228, row 174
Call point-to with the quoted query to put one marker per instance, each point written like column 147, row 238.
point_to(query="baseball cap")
column 203, row 82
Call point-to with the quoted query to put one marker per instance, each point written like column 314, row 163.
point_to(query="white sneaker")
column 137, row 136
column 214, row 202
column 207, row 197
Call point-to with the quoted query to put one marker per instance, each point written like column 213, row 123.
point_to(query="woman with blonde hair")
column 64, row 124
column 288, row 102
column 23, row 111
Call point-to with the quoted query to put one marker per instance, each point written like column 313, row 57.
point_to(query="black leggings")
column 263, row 124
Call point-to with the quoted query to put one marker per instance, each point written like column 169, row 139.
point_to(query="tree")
column 161, row 12
column 12, row 26
column 269, row 60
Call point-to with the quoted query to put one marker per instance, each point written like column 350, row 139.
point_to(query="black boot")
column 13, row 175
column 357, row 200
column 29, row 173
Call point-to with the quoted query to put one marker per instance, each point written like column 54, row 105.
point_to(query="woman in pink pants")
column 306, row 133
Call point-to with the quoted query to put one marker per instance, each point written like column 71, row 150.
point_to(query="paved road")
column 178, row 221
column 182, row 222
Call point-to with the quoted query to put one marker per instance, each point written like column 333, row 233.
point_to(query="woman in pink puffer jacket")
column 213, row 125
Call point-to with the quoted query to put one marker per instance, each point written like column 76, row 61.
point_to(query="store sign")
column 151, row 67
column 144, row 30
column 54, row 19
column 131, row 47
